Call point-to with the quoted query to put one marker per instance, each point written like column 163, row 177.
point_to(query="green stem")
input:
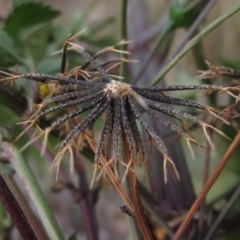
column 194, row 41
column 34, row 191
column 123, row 33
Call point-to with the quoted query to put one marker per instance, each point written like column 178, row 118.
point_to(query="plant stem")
column 123, row 33
column 22, row 200
column 86, row 202
column 135, row 196
column 194, row 27
column 223, row 213
column 207, row 187
column 15, row 212
column 194, row 41
column 204, row 180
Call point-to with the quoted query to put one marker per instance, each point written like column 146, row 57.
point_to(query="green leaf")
column 34, row 40
column 183, row 13
column 28, row 15
column 49, row 65
column 8, row 53
column 31, row 30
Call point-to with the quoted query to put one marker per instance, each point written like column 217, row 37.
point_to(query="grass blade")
column 34, row 191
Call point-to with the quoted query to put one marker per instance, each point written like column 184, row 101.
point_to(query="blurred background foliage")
column 31, row 31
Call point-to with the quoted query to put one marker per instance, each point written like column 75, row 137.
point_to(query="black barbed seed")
column 90, row 59
column 107, row 147
column 127, row 129
column 157, row 141
column 78, row 93
column 136, row 134
column 69, row 103
column 170, row 100
column 167, row 123
column 78, row 111
column 117, row 129
column 79, row 128
column 107, row 127
column 178, row 88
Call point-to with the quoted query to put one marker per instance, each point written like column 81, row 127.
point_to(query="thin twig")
column 194, row 26
column 207, row 187
column 135, row 196
column 205, row 178
column 123, row 32
column 22, row 200
column 223, row 213
column 86, row 203
column 15, row 212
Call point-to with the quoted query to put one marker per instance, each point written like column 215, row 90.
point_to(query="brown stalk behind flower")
column 135, row 195
column 110, row 173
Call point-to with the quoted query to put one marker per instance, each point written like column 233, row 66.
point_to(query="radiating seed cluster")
column 123, row 105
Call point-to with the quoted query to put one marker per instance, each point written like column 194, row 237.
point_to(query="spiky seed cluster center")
column 117, row 88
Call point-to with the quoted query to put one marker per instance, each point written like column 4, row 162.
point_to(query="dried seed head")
column 80, row 89
column 118, row 88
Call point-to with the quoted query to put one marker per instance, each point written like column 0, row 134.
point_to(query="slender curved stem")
column 207, row 187
column 86, row 204
column 224, row 212
column 194, row 26
column 194, row 41
column 123, row 33
column 16, row 213
column 135, row 196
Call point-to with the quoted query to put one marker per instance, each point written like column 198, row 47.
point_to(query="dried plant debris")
column 90, row 89
column 215, row 72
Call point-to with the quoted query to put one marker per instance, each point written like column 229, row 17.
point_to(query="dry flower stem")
column 207, row 187
column 135, row 196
